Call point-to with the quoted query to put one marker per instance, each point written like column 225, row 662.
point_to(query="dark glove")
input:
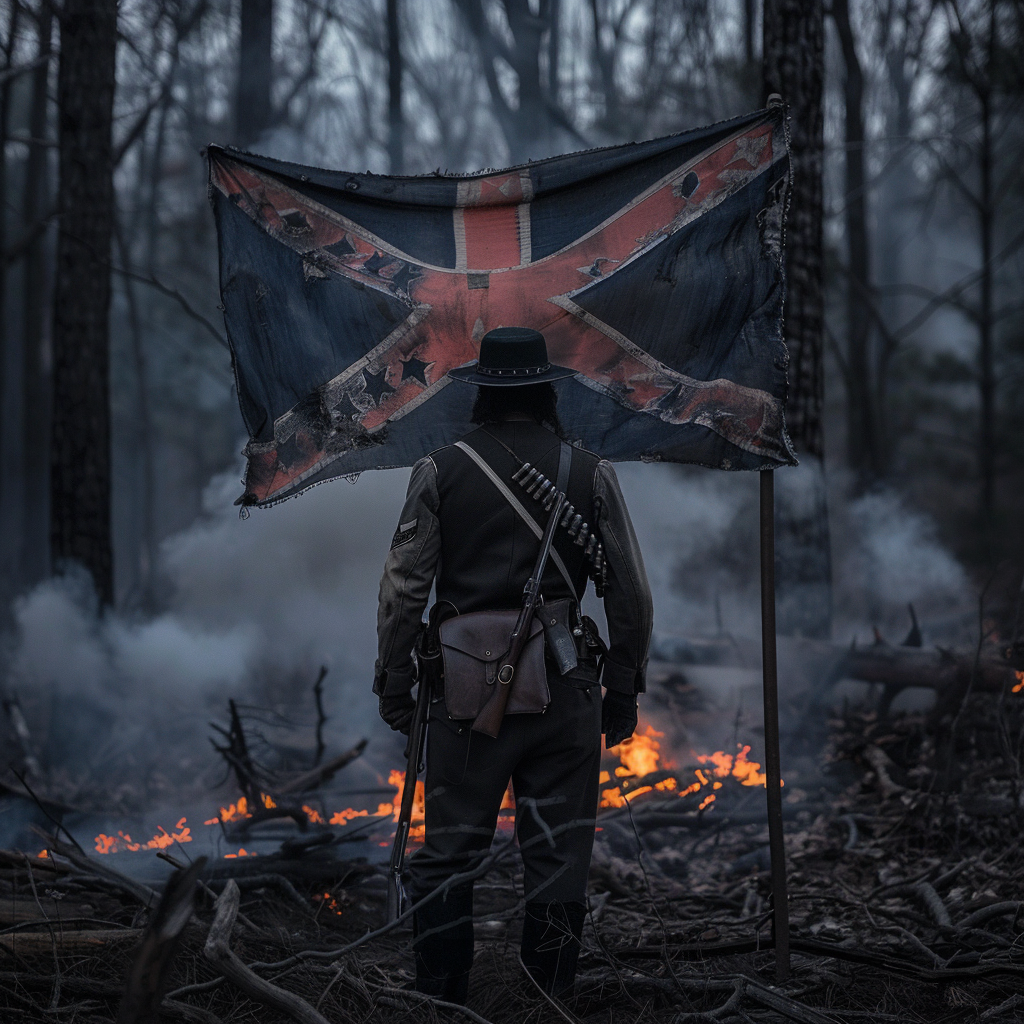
column 618, row 717
column 397, row 711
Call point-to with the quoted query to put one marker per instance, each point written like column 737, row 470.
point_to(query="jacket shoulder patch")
column 404, row 533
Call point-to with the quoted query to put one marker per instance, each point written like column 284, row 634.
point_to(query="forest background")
column 921, row 412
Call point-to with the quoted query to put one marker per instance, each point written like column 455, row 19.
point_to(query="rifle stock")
column 488, row 721
column 414, row 754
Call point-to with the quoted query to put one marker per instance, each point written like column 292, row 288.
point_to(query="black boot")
column 443, row 943
column 551, row 943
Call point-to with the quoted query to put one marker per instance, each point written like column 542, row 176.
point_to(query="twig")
column 140, row 891
column 319, row 775
column 554, row 1003
column 321, row 718
column 219, row 953
column 408, row 993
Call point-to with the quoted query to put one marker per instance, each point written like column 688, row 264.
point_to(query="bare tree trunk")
column 396, row 126
column 144, row 435
column 604, row 56
column 862, row 442
column 528, row 126
column 80, row 467
column 255, row 71
column 794, row 68
column 532, row 118
column 986, row 362
column 5, row 117
column 35, row 353
column 749, row 25
column 554, row 49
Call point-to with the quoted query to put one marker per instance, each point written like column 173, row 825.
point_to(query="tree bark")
column 255, row 71
column 793, row 64
column 794, row 68
column 80, row 465
column 35, row 353
column 396, row 126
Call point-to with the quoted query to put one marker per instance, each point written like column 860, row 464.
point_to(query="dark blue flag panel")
column 653, row 269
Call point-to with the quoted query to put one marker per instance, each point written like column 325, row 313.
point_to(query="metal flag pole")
column 773, row 770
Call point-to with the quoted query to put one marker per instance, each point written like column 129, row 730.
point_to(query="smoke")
column 888, row 556
column 699, row 533
column 254, row 608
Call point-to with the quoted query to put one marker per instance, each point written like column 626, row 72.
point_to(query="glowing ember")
column 242, row 852
column 1020, row 682
column 329, row 902
column 345, row 816
column 122, row 841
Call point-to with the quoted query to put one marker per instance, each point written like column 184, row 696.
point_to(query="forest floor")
column 905, row 881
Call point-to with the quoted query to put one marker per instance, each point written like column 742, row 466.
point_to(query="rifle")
column 427, row 653
column 489, row 719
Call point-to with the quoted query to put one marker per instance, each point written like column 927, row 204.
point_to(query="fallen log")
column 65, row 940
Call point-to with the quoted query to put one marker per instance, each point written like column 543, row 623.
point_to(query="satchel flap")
column 483, row 635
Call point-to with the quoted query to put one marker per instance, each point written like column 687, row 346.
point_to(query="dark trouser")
column 553, row 761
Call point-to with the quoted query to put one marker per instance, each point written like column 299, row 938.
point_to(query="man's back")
column 487, row 551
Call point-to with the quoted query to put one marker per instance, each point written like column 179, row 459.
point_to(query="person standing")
column 461, row 530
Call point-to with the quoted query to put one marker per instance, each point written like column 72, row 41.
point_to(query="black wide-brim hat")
column 510, row 356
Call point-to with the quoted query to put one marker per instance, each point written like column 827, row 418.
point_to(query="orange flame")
column 1020, row 682
column 123, row 841
column 242, row 852
column 639, row 754
column 747, row 773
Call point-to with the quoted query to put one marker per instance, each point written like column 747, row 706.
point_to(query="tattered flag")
column 653, row 269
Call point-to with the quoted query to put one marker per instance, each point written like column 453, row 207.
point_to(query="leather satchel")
column 472, row 647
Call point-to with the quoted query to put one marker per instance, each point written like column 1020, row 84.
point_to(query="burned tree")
column 794, row 69
column 80, row 467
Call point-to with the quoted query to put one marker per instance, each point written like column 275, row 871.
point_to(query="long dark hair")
column 538, row 401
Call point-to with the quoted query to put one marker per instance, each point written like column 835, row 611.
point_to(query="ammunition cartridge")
column 581, row 537
column 521, row 472
column 539, row 481
column 569, row 511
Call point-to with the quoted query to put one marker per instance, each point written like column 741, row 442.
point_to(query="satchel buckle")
column 505, row 674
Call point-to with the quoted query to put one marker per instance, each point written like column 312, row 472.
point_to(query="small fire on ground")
column 640, row 757
column 122, row 842
column 640, row 761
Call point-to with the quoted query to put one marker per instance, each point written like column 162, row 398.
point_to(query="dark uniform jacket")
column 458, row 529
